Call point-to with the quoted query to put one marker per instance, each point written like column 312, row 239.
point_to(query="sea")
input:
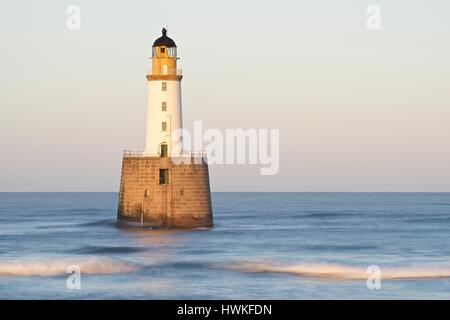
column 262, row 246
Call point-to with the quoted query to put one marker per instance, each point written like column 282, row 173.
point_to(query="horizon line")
column 239, row 191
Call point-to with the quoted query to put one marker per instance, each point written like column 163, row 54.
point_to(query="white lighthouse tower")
column 164, row 120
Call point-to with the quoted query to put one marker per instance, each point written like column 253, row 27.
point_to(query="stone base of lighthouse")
column 157, row 192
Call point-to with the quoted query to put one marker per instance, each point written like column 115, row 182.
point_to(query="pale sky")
column 357, row 109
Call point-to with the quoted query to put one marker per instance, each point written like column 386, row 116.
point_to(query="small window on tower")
column 164, row 126
column 164, row 86
column 164, row 106
column 163, row 50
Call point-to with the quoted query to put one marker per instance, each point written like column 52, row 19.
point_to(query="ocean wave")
column 337, row 214
column 107, row 250
column 102, row 222
column 339, row 247
column 333, row 271
column 184, row 265
column 60, row 267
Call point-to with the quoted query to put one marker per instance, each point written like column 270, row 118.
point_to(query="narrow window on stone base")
column 163, row 176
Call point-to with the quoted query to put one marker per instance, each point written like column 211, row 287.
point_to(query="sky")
column 357, row 109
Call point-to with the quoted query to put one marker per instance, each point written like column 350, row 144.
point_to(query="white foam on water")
column 333, row 271
column 94, row 265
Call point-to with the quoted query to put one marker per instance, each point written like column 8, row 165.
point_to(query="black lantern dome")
column 164, row 40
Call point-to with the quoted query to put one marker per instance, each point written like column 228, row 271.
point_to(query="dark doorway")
column 164, row 150
column 163, row 176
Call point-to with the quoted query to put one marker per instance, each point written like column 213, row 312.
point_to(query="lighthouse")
column 155, row 190
column 164, row 121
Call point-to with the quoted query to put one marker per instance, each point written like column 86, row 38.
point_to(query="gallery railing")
column 190, row 154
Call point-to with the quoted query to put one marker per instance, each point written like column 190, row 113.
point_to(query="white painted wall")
column 155, row 117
